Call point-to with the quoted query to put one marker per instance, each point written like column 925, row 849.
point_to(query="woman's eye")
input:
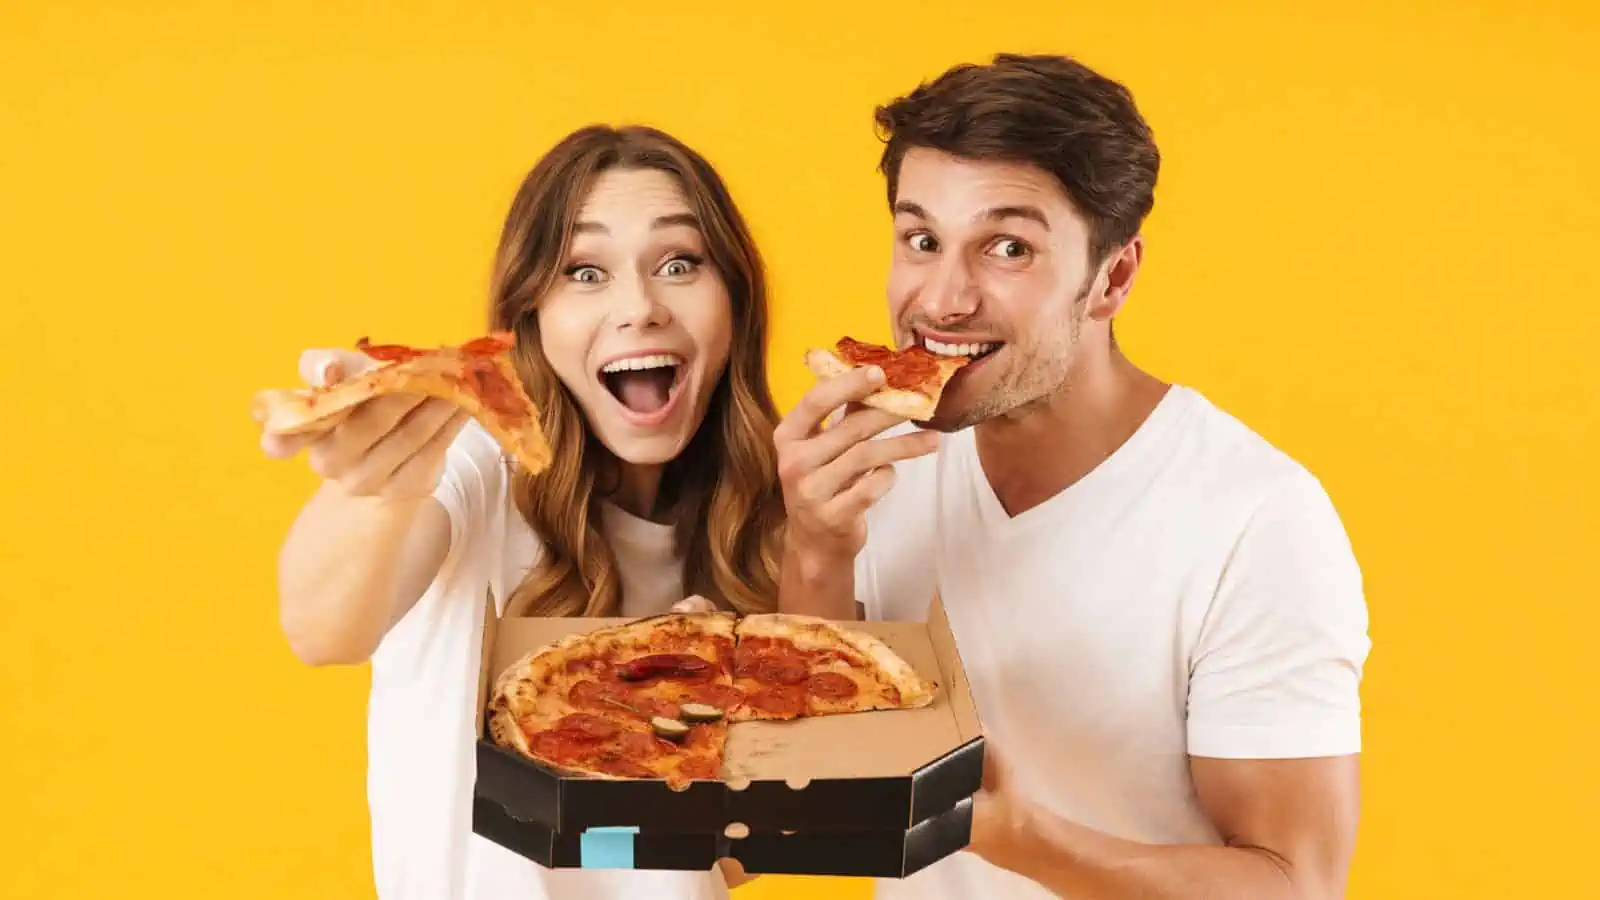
column 922, row 242
column 586, row 274
column 679, row 267
column 1010, row 248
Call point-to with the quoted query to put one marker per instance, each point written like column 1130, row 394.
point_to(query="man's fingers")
column 859, row 497
column 856, row 427
column 865, row 456
column 827, row 396
column 285, row 446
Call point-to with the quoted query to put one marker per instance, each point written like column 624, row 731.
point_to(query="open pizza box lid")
column 884, row 771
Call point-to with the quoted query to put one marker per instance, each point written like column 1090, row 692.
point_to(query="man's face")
column 991, row 259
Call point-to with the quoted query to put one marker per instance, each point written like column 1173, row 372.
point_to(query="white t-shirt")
column 421, row 722
column 1193, row 594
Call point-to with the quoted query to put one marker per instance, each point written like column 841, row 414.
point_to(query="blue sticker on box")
column 606, row 848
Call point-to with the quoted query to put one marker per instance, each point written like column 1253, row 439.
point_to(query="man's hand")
column 831, row 476
column 1287, row 826
column 999, row 813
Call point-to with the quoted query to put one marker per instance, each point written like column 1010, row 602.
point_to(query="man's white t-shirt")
column 1194, row 594
column 421, row 722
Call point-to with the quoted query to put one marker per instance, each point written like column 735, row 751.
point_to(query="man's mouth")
column 644, row 385
column 974, row 350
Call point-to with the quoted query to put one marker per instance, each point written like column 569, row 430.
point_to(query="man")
column 1160, row 614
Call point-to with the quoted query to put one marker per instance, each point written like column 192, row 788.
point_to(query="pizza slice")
column 789, row 666
column 649, row 699
column 478, row 376
column 915, row 378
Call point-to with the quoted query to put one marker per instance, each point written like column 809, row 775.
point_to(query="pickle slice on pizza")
column 477, row 376
column 914, row 377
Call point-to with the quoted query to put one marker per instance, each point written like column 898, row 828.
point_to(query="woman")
column 639, row 304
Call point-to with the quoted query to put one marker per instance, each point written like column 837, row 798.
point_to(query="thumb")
column 693, row 605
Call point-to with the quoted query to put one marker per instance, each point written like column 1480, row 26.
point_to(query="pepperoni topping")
column 558, row 747
column 782, row 670
column 722, row 696
column 597, row 696
column 639, row 745
column 587, row 726
column 493, row 389
column 622, row 767
column 656, row 706
column 706, row 737
column 907, row 370
column 700, row 768
column 832, row 686
column 664, row 665
column 388, row 352
column 782, row 702
column 490, row 345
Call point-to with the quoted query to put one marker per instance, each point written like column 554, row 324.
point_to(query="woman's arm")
column 371, row 539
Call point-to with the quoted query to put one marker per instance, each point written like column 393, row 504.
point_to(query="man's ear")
column 1120, row 270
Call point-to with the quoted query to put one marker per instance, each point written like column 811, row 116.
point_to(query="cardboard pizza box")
column 882, row 853
column 879, row 774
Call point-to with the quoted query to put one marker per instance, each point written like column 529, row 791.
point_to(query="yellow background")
column 1371, row 242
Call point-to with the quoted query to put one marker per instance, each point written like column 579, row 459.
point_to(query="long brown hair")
column 724, row 485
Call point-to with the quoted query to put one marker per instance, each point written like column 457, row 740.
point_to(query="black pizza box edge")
column 880, row 853
column 529, row 793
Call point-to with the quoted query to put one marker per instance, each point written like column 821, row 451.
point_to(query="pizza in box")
column 655, row 698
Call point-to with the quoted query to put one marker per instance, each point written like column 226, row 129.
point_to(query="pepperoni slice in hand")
column 832, row 686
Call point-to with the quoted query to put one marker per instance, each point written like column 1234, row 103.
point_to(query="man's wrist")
column 815, row 565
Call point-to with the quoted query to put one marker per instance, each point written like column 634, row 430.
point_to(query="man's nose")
column 951, row 294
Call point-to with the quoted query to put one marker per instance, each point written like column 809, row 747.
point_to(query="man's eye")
column 922, row 243
column 1009, row 248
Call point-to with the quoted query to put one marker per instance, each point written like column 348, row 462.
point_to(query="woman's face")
column 638, row 324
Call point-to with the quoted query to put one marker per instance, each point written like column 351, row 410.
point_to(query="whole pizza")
column 655, row 698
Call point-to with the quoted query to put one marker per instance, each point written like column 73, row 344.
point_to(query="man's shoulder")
column 1222, row 454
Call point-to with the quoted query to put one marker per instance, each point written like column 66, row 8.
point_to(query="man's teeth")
column 638, row 363
column 939, row 348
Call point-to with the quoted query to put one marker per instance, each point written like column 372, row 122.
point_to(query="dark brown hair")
column 725, row 484
column 1050, row 112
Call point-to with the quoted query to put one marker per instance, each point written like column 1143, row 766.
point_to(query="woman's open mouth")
column 646, row 387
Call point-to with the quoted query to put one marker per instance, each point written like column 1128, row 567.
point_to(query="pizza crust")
column 915, row 405
column 437, row 375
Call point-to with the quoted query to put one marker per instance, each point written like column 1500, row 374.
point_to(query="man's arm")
column 1274, row 733
column 1288, row 828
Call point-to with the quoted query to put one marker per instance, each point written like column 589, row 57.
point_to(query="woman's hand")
column 693, row 605
column 391, row 447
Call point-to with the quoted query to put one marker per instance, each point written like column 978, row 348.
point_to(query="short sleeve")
column 474, row 491
column 1277, row 668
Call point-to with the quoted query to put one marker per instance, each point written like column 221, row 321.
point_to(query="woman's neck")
column 638, row 490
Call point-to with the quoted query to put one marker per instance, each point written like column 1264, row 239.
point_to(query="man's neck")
column 1033, row 454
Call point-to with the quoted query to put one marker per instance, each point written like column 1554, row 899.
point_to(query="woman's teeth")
column 939, row 348
column 638, row 363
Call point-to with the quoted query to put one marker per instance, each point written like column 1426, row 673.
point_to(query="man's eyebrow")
column 993, row 214
column 1032, row 213
column 910, row 209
